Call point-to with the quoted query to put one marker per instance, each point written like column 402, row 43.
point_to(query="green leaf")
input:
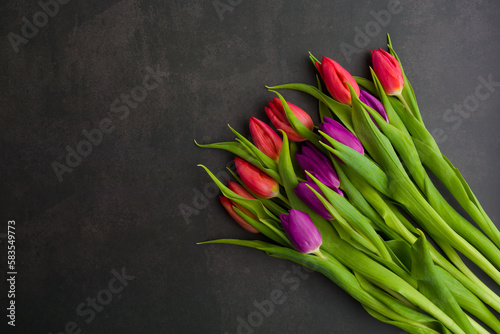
column 433, row 287
column 404, row 146
column 253, row 205
column 264, row 159
column 488, row 225
column 467, row 300
column 358, row 221
column 381, row 276
column 313, row 59
column 377, row 145
column 344, row 229
column 365, row 167
column 437, row 164
column 295, row 123
column 330, row 267
column 323, row 109
column 450, row 176
column 267, row 227
column 290, row 182
column 386, row 102
column 367, row 84
column 357, row 199
column 384, row 209
column 235, row 148
column 414, row 321
column 415, row 127
column 275, row 208
column 412, row 328
column 342, row 111
column 405, row 192
column 402, row 250
column 408, row 94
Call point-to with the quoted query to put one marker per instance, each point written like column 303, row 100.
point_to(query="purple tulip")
column 337, row 131
column 373, row 102
column 301, row 231
column 312, row 160
column 309, row 197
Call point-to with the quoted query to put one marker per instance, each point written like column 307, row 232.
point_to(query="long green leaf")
column 290, row 181
column 342, row 111
column 362, row 224
column 332, row 269
column 365, row 167
column 433, row 287
column 408, row 94
column 468, row 301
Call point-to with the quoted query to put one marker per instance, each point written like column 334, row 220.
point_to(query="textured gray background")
column 119, row 208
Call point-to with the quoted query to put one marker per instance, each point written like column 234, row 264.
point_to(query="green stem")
column 381, row 276
column 405, row 104
column 409, row 196
column 318, row 253
column 284, row 199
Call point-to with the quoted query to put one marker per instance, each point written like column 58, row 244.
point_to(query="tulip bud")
column 388, row 71
column 374, row 103
column 257, row 181
column 265, row 138
column 309, row 197
column 277, row 115
column 335, row 130
column 335, row 77
column 228, row 205
column 312, row 160
column 301, row 231
column 240, row 190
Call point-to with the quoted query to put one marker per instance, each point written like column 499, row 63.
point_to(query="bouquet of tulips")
column 353, row 200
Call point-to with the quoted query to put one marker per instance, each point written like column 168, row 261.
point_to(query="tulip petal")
column 301, row 231
column 228, row 205
column 374, row 103
column 335, row 78
column 308, row 197
column 313, row 161
column 258, row 182
column 278, row 117
column 265, row 138
column 239, row 189
column 335, row 130
column 388, row 71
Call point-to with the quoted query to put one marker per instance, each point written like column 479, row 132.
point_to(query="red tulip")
column 388, row 71
column 228, row 205
column 276, row 114
column 335, row 78
column 239, row 189
column 257, row 181
column 265, row 138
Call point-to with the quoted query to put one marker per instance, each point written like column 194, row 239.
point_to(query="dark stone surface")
column 120, row 206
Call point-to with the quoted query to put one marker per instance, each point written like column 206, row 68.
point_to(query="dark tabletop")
column 100, row 102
